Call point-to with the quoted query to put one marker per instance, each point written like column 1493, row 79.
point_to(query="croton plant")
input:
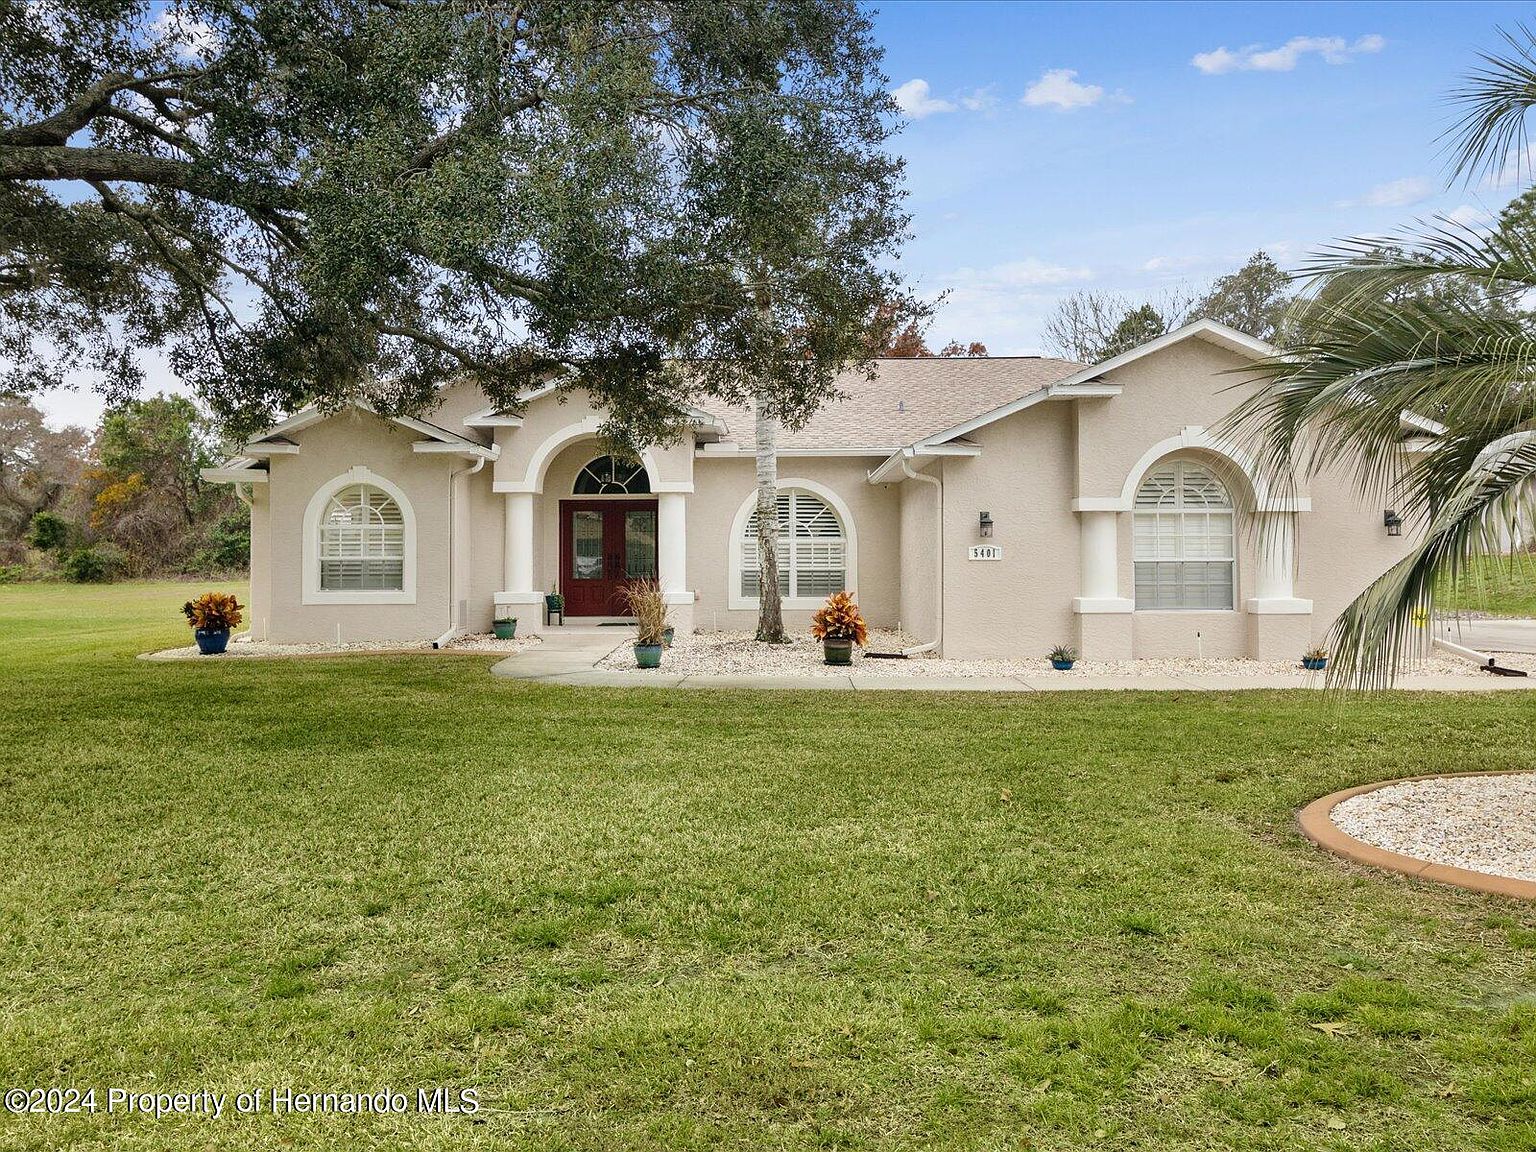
column 213, row 612
column 839, row 619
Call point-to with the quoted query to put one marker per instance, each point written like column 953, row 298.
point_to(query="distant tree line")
column 125, row 500
column 1260, row 300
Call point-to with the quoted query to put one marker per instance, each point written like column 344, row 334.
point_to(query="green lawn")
column 1497, row 585
column 676, row 919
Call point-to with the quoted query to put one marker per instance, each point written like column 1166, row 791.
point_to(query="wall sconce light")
column 1393, row 521
column 986, row 525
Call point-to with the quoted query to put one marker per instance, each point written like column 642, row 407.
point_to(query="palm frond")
column 1494, row 97
column 1377, row 346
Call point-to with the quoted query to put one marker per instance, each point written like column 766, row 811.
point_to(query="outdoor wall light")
column 986, row 525
column 1393, row 521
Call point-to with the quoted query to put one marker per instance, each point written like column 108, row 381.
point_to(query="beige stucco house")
column 990, row 507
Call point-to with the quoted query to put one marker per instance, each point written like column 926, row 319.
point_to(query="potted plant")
column 554, row 602
column 212, row 616
column 1315, row 659
column 1062, row 657
column 649, row 609
column 505, row 627
column 839, row 626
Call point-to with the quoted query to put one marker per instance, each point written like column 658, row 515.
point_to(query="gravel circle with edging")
column 1450, row 820
column 1483, row 823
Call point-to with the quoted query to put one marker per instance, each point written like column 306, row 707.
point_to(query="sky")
column 1140, row 148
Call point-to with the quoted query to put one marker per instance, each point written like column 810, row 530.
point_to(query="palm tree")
column 1434, row 323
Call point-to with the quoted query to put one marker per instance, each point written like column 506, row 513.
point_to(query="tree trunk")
column 770, row 614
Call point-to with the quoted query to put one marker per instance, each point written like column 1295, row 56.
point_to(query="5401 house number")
column 985, row 552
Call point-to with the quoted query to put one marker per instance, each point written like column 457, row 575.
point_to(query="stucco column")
column 1104, row 618
column 517, row 563
column 1279, row 625
column 672, row 558
column 672, row 541
column 1098, row 536
column 518, row 592
column 1274, row 585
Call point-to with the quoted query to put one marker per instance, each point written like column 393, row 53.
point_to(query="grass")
column 1497, row 585
column 682, row 920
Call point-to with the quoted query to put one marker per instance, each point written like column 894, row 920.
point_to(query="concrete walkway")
column 570, row 656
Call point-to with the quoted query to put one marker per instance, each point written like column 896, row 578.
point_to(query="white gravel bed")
column 245, row 648
column 737, row 653
column 1485, row 823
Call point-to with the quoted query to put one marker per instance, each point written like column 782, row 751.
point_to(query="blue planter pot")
column 211, row 643
column 1314, row 665
column 505, row 629
column 648, row 655
column 1063, row 665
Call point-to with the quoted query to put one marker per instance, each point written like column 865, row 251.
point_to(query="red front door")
column 604, row 544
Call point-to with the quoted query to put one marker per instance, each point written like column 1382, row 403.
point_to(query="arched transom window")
column 362, row 542
column 812, row 549
column 611, row 476
column 1183, row 546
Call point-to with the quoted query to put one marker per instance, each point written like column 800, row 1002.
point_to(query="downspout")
column 938, row 551
column 248, row 499
column 453, row 487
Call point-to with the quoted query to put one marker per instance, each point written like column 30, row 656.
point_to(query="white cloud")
column 194, row 38
column 1027, row 273
column 1255, row 58
column 1394, row 194
column 1058, row 88
column 913, row 99
column 1519, row 165
column 1468, row 215
column 980, row 100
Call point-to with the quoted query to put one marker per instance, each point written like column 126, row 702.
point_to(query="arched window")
column 1183, row 539
column 611, row 476
column 362, row 541
column 813, row 549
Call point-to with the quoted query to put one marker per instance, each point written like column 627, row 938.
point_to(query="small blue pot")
column 1314, row 665
column 1063, row 665
column 648, row 655
column 211, row 643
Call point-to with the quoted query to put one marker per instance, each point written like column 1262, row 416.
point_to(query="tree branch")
column 58, row 128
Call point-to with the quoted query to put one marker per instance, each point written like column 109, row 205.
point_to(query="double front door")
column 603, row 545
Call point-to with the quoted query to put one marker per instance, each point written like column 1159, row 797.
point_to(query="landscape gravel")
column 737, row 653
column 243, row 647
column 1485, row 823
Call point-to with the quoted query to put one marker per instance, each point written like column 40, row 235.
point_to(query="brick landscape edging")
column 1317, row 825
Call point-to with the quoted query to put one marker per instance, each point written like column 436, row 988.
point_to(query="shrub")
column 1062, row 653
column 48, row 532
column 649, row 609
column 90, row 566
column 213, row 612
column 839, row 619
column 228, row 547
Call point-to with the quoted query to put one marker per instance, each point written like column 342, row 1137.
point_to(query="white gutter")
column 938, row 535
column 455, row 630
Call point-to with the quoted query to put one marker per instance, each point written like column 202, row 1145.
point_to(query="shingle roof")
column 908, row 399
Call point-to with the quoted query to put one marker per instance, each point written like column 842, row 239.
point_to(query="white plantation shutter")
column 812, row 549
column 362, row 542
column 1183, row 539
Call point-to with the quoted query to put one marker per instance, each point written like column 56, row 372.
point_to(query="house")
column 990, row 507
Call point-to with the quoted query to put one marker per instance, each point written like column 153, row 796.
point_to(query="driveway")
column 1493, row 634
